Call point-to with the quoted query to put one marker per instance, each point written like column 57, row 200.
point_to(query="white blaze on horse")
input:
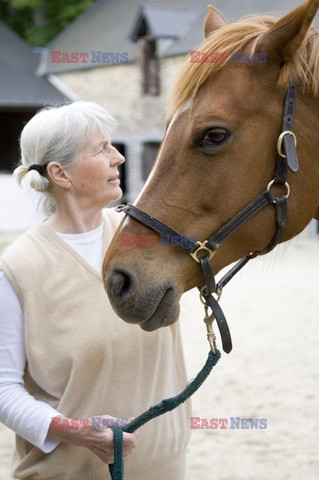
column 218, row 155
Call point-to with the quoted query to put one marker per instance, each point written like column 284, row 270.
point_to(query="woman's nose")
column 117, row 157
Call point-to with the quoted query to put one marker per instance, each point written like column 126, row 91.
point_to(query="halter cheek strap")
column 203, row 252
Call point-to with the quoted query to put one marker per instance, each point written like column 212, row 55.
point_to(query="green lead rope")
column 117, row 468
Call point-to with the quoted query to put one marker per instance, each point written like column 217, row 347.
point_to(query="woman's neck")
column 71, row 219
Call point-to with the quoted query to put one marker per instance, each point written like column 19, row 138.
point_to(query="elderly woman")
column 67, row 362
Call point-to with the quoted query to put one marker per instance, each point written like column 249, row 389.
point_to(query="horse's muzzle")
column 149, row 306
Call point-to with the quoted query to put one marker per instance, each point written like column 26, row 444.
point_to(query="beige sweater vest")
column 84, row 360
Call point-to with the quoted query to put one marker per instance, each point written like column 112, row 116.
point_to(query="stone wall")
column 140, row 118
column 118, row 88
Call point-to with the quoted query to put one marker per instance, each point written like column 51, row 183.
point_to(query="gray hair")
column 57, row 134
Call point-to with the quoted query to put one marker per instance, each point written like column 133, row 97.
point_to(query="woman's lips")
column 114, row 180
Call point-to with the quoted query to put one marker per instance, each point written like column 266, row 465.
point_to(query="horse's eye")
column 214, row 136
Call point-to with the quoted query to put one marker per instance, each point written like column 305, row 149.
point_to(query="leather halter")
column 202, row 252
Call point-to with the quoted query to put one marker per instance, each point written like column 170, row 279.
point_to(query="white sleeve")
column 19, row 410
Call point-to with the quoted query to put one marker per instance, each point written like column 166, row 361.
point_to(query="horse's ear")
column 285, row 37
column 214, row 20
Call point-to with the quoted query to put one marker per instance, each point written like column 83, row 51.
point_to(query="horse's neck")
column 309, row 129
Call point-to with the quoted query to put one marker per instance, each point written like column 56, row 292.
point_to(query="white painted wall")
column 17, row 209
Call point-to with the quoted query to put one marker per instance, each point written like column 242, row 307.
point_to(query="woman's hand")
column 93, row 433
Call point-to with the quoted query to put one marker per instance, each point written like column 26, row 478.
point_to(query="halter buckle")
column 280, row 140
column 202, row 246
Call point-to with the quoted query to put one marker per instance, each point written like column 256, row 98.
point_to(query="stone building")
column 124, row 54
column 154, row 38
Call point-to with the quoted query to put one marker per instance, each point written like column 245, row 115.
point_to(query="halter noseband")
column 203, row 252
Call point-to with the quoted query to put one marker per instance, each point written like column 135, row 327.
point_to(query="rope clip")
column 209, row 319
column 211, row 337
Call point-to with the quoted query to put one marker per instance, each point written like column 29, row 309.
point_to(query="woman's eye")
column 103, row 149
column 214, row 136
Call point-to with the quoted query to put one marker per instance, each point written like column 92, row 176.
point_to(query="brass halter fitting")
column 280, row 140
column 209, row 319
column 286, row 185
column 202, row 247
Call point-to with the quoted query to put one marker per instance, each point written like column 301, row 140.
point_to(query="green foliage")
column 38, row 21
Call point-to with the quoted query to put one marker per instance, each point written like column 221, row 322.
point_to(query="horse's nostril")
column 119, row 284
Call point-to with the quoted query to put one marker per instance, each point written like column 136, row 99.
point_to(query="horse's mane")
column 245, row 34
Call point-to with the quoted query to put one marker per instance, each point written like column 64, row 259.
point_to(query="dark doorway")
column 11, row 125
column 121, row 147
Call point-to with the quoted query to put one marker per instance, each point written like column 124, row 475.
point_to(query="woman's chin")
column 114, row 195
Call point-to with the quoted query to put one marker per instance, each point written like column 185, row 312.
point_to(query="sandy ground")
column 272, row 373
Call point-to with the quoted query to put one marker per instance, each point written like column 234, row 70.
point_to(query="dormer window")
column 150, row 67
column 156, row 29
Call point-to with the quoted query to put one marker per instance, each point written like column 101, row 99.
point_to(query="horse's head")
column 218, row 154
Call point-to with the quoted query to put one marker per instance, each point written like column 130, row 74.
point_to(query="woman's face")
column 94, row 175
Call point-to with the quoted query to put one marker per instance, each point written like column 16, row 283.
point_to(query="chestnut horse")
column 219, row 154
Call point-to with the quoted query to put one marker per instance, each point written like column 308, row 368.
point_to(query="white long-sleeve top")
column 20, row 411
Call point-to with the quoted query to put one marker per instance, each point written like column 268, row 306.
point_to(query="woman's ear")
column 58, row 175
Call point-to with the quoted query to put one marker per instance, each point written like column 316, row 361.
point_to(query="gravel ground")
column 272, row 309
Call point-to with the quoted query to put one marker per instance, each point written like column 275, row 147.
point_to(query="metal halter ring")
column 122, row 208
column 201, row 246
column 280, row 140
column 286, row 184
column 201, row 296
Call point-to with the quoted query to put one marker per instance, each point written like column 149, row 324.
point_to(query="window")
column 150, row 67
column 149, row 153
